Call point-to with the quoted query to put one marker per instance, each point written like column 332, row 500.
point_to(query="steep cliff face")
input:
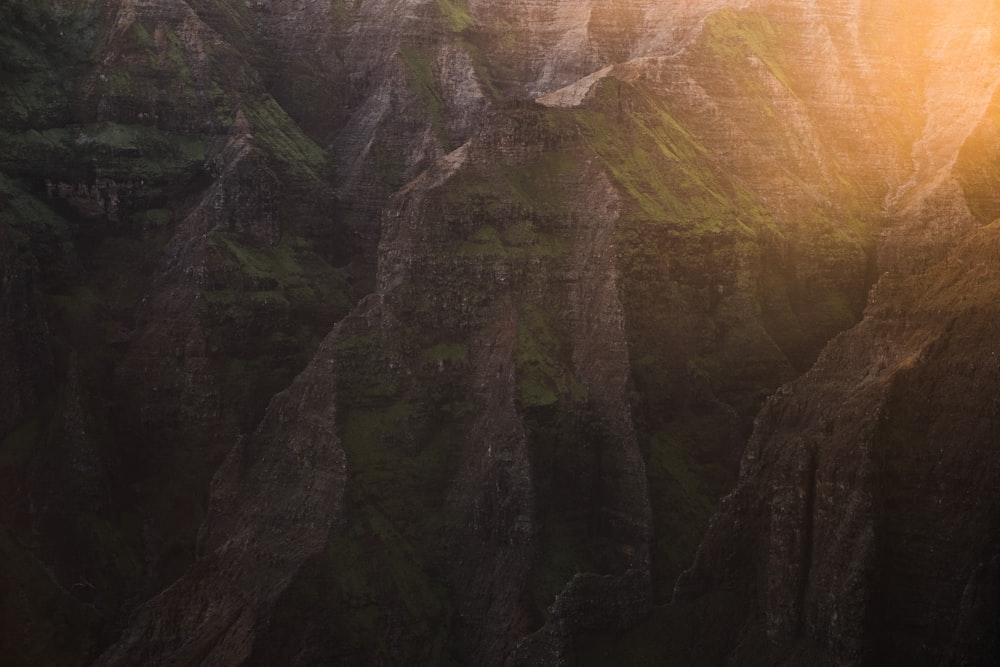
column 273, row 501
column 164, row 221
column 575, row 307
column 931, row 206
column 487, row 426
column 705, row 343
column 746, row 242
column 534, row 48
column 414, row 77
column 867, row 529
column 863, row 530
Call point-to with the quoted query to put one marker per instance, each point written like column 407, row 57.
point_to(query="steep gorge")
column 509, row 449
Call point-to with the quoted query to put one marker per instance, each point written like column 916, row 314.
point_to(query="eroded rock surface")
column 422, row 332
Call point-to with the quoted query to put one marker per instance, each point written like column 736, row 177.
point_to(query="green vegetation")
column 149, row 165
column 95, row 271
column 734, row 35
column 340, row 14
column 662, row 167
column 40, row 229
column 369, row 594
column 377, row 591
column 136, row 151
column 159, row 76
column 369, row 384
column 404, row 463
column 43, row 49
column 539, row 183
column 75, row 560
column 518, row 240
column 543, row 378
column 387, row 166
column 425, row 86
column 712, row 321
column 298, row 156
column 271, row 311
column 716, row 318
column 404, row 405
column 457, row 14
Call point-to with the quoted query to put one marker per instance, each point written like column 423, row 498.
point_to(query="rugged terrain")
column 411, row 332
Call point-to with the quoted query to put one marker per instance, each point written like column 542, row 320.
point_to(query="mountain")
column 411, row 332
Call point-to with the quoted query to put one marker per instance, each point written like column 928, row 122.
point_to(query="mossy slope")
column 103, row 166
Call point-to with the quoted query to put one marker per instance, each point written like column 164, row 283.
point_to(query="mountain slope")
column 866, row 509
column 164, row 219
column 432, row 332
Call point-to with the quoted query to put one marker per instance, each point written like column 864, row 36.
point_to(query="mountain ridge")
column 468, row 372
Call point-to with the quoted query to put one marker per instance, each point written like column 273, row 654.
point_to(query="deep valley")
column 468, row 332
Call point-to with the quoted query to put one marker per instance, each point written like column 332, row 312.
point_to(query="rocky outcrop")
column 273, row 501
column 535, row 48
column 459, row 342
column 746, row 241
column 413, row 91
column 251, row 217
column 930, row 208
column 546, row 516
column 419, row 76
column 508, row 450
column 862, row 523
column 865, row 508
column 165, row 221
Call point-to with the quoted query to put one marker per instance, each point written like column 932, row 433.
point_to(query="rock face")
column 865, row 518
column 538, row 47
column 412, row 332
column 274, row 499
column 505, row 361
column 165, row 223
